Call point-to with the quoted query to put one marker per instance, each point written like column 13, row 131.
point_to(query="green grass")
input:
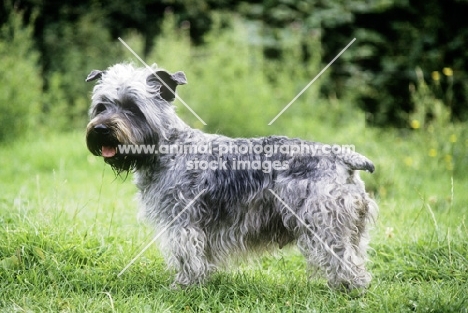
column 68, row 226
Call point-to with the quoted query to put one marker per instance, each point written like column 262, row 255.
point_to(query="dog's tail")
column 357, row 162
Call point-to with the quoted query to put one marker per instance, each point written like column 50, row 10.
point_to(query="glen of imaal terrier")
column 219, row 198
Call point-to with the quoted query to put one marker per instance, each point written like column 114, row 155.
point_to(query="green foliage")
column 441, row 140
column 231, row 86
column 393, row 38
column 21, row 87
column 423, row 34
column 429, row 111
column 59, row 99
column 77, row 48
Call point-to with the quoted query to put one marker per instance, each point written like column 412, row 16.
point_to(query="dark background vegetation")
column 394, row 39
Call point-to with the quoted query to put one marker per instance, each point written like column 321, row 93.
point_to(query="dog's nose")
column 101, row 129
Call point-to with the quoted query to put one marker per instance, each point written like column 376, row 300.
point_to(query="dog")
column 223, row 203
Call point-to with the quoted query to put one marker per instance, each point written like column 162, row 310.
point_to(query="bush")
column 231, row 85
column 74, row 49
column 443, row 142
column 21, row 87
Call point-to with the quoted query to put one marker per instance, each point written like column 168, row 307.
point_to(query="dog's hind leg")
column 334, row 239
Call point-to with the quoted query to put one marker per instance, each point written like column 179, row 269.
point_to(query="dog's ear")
column 95, row 74
column 168, row 83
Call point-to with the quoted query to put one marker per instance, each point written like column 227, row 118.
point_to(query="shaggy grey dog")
column 250, row 194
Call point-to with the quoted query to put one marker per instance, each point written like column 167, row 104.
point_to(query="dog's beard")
column 122, row 164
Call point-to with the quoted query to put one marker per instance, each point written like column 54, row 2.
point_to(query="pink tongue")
column 108, row 152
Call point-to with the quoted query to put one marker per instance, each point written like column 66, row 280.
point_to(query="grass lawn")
column 68, row 226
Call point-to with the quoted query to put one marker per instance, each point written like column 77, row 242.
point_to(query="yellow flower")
column 415, row 124
column 453, row 138
column 435, row 75
column 448, row 158
column 432, row 153
column 408, row 161
column 447, row 71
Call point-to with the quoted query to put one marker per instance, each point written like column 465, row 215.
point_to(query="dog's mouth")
column 103, row 140
column 102, row 145
column 108, row 151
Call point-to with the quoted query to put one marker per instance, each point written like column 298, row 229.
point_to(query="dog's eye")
column 135, row 111
column 100, row 108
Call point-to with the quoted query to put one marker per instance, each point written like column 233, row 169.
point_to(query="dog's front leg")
column 187, row 255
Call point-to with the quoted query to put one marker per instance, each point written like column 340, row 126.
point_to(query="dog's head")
column 130, row 107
